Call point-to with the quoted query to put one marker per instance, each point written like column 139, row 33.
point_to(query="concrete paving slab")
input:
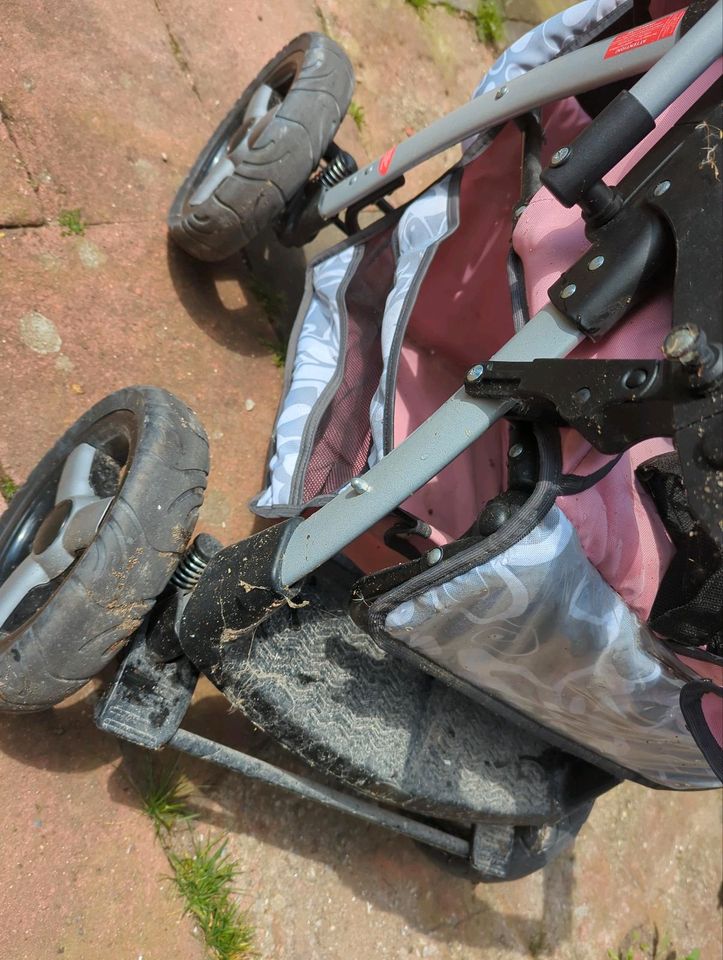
column 97, row 98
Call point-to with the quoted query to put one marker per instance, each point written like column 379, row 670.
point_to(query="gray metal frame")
column 249, row 766
column 672, row 65
column 451, row 429
column 573, row 73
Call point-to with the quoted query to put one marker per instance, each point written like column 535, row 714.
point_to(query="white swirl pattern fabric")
column 540, row 628
column 315, row 364
column 556, row 36
column 423, row 224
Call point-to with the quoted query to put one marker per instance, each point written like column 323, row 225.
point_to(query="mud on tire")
column 113, row 583
column 313, row 80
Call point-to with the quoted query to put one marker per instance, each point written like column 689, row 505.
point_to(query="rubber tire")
column 278, row 164
column 115, row 582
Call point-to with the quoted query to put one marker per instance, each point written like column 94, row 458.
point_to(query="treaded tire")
column 113, row 584
column 274, row 167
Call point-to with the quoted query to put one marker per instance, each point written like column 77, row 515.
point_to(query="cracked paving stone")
column 19, row 205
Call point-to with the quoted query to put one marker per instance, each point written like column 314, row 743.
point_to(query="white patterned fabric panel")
column 424, row 223
column 540, row 628
column 315, row 363
column 547, row 41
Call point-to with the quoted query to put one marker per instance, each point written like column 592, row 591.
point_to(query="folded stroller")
column 496, row 590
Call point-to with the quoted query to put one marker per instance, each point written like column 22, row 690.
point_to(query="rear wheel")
column 92, row 539
column 265, row 149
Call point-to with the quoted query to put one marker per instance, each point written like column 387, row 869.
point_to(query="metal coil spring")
column 337, row 170
column 194, row 562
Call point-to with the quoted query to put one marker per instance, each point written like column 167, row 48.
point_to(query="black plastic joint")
column 240, row 588
column 611, row 136
column 619, row 270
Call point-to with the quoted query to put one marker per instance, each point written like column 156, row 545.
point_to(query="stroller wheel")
column 92, row 539
column 264, row 150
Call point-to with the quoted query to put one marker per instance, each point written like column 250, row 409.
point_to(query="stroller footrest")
column 147, row 700
column 314, row 681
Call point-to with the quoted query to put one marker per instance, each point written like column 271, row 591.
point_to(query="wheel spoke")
column 253, row 133
column 221, row 169
column 66, row 530
column 224, row 163
column 19, row 584
column 259, row 103
column 83, row 523
column 75, row 478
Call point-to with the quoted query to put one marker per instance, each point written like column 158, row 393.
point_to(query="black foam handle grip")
column 611, row 136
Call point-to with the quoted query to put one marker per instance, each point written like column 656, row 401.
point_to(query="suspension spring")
column 341, row 166
column 194, row 561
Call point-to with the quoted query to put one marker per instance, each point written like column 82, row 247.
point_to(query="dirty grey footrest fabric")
column 315, row 682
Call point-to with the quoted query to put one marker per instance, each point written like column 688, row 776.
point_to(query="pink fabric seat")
column 463, row 312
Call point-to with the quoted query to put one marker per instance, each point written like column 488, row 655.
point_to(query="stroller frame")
column 459, row 422
column 265, row 570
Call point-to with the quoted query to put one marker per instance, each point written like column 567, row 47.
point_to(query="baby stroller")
column 494, row 589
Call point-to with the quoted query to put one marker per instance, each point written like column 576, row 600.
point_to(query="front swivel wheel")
column 265, row 150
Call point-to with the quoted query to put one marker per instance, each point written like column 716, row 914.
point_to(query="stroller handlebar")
column 576, row 72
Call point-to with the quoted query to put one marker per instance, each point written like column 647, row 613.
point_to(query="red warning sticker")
column 644, row 34
column 386, row 161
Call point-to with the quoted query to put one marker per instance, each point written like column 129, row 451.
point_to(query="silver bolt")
column 568, row 291
column 434, row 556
column 359, row 486
column 475, row 373
column 516, row 450
column 596, row 263
column 519, row 211
column 560, row 156
column 501, row 91
column 661, row 188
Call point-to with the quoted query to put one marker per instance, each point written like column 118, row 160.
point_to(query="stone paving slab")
column 97, row 97
column 88, row 315
column 94, row 94
column 435, row 64
column 80, row 874
column 410, row 70
column 225, row 45
column 18, row 201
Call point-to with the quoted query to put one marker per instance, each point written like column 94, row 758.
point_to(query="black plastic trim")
column 691, row 706
column 614, row 132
